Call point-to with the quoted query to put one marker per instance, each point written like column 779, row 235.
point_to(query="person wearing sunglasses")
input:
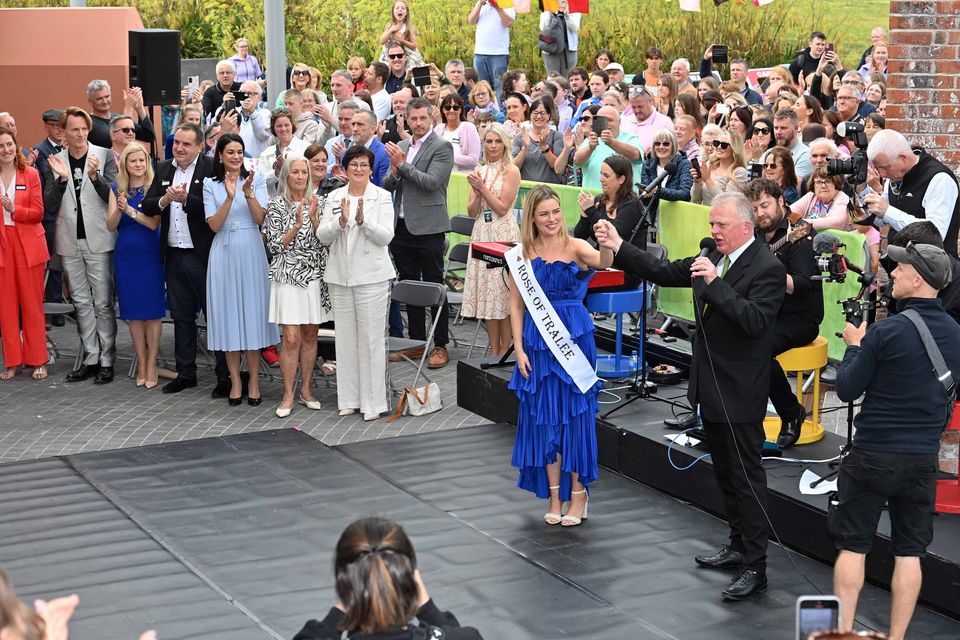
column 299, row 80
column 122, row 133
column 536, row 151
column 459, row 133
column 725, row 171
column 778, row 167
column 761, row 139
column 666, row 150
column 610, row 140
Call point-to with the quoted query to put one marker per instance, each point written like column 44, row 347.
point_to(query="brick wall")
column 923, row 100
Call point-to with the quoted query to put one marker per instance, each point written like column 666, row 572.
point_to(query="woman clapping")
column 357, row 224
column 299, row 301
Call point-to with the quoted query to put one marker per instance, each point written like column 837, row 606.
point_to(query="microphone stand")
column 641, row 387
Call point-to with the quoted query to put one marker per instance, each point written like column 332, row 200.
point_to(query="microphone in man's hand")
column 706, row 246
column 668, row 171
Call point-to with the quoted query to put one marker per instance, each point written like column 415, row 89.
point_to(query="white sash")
column 554, row 333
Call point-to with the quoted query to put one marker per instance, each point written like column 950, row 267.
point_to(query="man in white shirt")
column 254, row 121
column 491, row 50
column 376, row 78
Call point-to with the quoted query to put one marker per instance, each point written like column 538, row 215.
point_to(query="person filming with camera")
column 893, row 460
column 918, row 187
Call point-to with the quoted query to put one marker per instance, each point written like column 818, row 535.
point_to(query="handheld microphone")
column 706, row 246
column 668, row 171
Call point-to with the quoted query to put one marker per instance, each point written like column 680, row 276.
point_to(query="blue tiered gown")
column 555, row 417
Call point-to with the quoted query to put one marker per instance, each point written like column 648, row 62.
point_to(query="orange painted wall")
column 49, row 56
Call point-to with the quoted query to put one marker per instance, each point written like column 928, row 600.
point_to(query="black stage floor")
column 233, row 538
column 633, row 442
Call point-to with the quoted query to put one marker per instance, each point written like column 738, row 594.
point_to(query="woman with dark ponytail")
column 380, row 591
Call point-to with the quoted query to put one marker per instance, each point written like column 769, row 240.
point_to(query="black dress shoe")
column 83, row 372
column 222, row 390
column 57, row 321
column 254, row 402
column 747, row 584
column 178, row 384
column 726, row 558
column 234, row 402
column 790, row 430
column 104, row 375
column 685, row 422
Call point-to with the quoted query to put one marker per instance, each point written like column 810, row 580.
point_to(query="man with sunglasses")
column 122, row 133
column 894, row 457
column 397, row 60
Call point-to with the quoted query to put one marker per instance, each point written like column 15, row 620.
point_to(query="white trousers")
column 90, row 278
column 360, row 316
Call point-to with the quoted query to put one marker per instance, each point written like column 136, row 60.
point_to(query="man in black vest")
column 176, row 195
column 798, row 322
column 918, row 187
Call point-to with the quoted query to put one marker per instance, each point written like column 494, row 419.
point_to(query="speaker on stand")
column 154, row 63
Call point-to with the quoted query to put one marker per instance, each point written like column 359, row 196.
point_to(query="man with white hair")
column 738, row 288
column 254, row 120
column 225, row 86
column 917, row 187
column 100, row 97
column 680, row 70
column 821, row 150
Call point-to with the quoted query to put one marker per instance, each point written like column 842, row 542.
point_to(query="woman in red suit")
column 23, row 256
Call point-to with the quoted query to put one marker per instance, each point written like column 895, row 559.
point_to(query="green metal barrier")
column 683, row 225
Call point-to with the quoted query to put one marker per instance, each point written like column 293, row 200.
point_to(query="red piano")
column 492, row 253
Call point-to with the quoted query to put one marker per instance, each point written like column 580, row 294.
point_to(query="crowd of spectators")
column 262, row 212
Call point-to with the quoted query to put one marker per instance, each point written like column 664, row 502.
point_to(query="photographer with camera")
column 893, row 459
column 798, row 321
column 918, row 187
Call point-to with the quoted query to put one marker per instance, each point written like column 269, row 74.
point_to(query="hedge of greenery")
column 323, row 33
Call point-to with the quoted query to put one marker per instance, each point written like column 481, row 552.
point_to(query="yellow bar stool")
column 811, row 357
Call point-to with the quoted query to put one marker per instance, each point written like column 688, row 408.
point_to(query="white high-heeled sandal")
column 554, row 518
column 573, row 521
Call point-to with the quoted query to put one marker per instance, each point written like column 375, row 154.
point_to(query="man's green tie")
column 726, row 266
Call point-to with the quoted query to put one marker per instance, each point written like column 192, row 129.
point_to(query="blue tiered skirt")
column 555, row 417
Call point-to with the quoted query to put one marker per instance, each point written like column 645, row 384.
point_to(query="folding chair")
column 462, row 224
column 54, row 308
column 456, row 262
column 415, row 293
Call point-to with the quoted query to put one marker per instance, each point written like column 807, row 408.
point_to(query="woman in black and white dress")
column 299, row 301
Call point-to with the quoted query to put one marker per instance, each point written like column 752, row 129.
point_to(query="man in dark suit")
column 51, row 145
column 419, row 172
column 176, row 195
column 738, row 289
column 798, row 322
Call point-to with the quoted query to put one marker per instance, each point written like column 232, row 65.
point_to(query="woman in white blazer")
column 357, row 223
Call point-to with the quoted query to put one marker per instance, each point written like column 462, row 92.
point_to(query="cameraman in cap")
column 893, row 460
column 918, row 187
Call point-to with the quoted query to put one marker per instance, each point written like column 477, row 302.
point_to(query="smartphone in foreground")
column 817, row 613
column 193, row 83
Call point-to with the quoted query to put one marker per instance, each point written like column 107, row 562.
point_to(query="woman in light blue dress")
column 238, row 289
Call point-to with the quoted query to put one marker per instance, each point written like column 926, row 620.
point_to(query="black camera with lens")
column 856, row 165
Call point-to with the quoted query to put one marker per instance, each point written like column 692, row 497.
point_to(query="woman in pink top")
column 460, row 133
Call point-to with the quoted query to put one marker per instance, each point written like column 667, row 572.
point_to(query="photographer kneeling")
column 894, row 456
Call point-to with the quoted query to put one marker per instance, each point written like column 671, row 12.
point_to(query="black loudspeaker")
column 155, row 65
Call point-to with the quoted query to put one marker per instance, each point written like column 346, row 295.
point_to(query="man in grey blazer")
column 83, row 240
column 419, row 172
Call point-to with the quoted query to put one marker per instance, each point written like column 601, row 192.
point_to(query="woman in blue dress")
column 556, row 443
column 238, row 290
column 137, row 265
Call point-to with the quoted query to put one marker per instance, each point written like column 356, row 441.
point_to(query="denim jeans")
column 491, row 69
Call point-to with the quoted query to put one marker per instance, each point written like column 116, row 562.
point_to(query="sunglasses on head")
column 300, row 72
column 719, row 144
column 395, row 56
column 640, row 90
